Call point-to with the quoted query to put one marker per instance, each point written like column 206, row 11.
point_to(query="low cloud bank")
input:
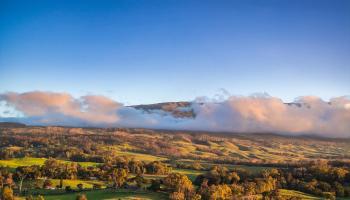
column 306, row 115
column 52, row 108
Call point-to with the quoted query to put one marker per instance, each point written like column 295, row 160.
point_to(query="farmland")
column 27, row 161
column 110, row 194
column 60, row 163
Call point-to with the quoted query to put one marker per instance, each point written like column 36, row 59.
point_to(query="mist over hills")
column 308, row 115
column 183, row 109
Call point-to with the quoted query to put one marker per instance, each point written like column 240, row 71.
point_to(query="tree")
column 61, row 183
column 80, row 186
column 155, row 185
column 22, row 173
column 197, row 166
column 196, row 197
column 177, row 182
column 2, row 180
column 266, row 185
column 339, row 174
column 81, row 197
column 119, row 177
column 236, row 189
column 339, row 189
column 157, row 167
column 232, row 177
column 8, row 180
column 271, row 195
column 324, row 186
column 139, row 180
column 7, row 193
column 204, row 189
column 328, row 195
column 249, row 188
column 217, row 175
column 47, row 184
column 220, row 192
column 68, row 188
column 40, row 198
column 177, row 196
column 274, row 173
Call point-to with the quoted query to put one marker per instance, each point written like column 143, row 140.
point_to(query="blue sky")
column 140, row 51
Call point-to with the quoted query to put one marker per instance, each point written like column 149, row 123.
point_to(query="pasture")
column 293, row 193
column 28, row 161
column 111, row 195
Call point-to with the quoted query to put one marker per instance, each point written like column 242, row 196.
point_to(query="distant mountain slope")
column 183, row 109
column 11, row 125
column 177, row 109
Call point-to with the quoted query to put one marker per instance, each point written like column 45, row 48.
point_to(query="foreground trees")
column 7, row 193
column 81, row 197
column 119, row 177
column 217, row 183
column 320, row 178
column 179, row 185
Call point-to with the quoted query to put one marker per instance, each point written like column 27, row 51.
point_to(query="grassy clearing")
column 27, row 161
column 87, row 184
column 192, row 174
column 126, row 150
column 251, row 169
column 111, row 195
column 18, row 162
column 140, row 156
column 293, row 193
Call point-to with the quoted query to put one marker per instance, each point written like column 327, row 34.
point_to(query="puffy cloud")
column 307, row 115
column 49, row 107
column 258, row 113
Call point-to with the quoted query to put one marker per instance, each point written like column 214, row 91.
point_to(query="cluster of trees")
column 114, row 172
column 6, row 182
column 226, row 186
column 220, row 183
column 318, row 178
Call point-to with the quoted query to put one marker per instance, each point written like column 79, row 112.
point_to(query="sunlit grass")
column 111, row 195
column 28, row 161
column 293, row 193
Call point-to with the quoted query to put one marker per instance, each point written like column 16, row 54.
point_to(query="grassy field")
column 191, row 174
column 18, row 162
column 126, row 150
column 251, row 169
column 293, row 193
column 145, row 195
column 27, row 161
column 140, row 156
column 111, row 195
column 87, row 184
